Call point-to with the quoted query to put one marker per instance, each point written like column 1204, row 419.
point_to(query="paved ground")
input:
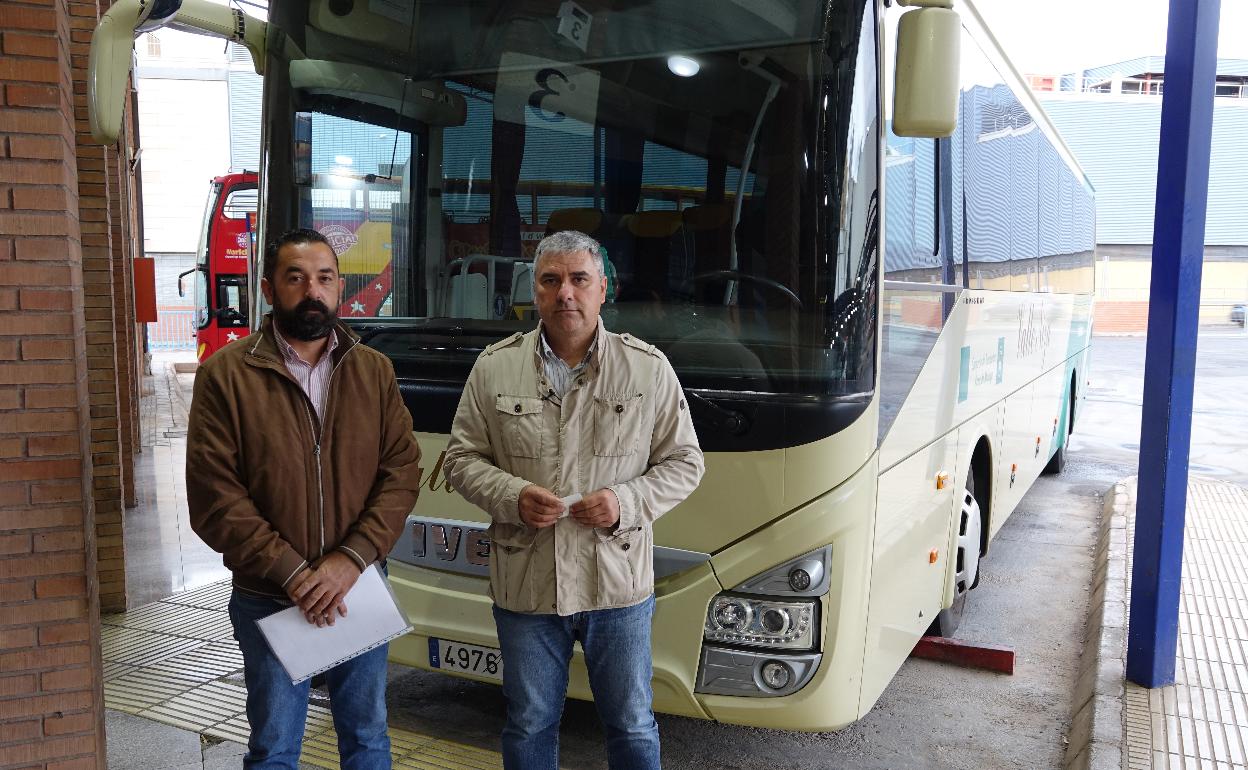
column 1109, row 432
column 1033, row 597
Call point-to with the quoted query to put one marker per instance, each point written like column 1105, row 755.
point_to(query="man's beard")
column 310, row 320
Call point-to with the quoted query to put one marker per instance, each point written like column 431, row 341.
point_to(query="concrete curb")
column 1097, row 731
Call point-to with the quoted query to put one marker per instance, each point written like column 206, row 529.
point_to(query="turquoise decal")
column 1000, row 359
column 964, row 374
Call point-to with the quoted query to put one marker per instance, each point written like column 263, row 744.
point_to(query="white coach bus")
column 849, row 226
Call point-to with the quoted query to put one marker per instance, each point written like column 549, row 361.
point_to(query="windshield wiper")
column 728, row 420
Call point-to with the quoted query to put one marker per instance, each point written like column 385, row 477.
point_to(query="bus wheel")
column 966, row 574
column 1058, row 461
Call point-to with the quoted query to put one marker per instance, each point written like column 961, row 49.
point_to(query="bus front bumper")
column 457, row 608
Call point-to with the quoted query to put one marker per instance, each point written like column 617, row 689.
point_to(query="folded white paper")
column 304, row 650
column 568, row 502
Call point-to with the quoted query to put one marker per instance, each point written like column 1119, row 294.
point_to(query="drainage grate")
column 113, row 670
column 436, row 753
column 321, row 750
column 201, row 708
column 142, row 648
column 176, row 620
column 204, row 664
column 143, row 688
column 215, row 596
column 236, row 729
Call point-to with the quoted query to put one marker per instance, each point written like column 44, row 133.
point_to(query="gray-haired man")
column 571, row 411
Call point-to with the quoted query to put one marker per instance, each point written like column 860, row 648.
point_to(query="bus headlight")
column 732, row 615
column 761, row 622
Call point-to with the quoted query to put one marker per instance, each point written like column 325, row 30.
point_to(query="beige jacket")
column 624, row 424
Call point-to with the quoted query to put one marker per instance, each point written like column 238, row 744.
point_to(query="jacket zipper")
column 316, row 452
column 317, row 427
column 318, row 432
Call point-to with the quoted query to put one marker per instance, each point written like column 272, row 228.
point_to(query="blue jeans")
column 277, row 709
column 536, row 652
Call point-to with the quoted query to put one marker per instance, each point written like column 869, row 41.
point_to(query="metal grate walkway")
column 166, row 661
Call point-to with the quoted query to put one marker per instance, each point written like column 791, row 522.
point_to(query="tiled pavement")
column 1201, row 721
column 175, row 663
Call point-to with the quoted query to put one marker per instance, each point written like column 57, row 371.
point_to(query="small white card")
column 568, row 502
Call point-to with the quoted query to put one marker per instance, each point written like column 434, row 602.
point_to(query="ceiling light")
column 683, row 66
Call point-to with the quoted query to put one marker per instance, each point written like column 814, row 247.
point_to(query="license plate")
column 467, row 658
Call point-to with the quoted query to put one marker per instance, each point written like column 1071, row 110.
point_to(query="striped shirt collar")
column 291, row 356
column 313, row 379
column 556, row 369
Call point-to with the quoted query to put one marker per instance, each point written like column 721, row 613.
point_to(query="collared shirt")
column 313, row 378
column 561, row 375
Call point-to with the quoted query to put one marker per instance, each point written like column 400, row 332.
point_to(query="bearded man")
column 301, row 468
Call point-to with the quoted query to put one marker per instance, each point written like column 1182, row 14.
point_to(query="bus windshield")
column 721, row 151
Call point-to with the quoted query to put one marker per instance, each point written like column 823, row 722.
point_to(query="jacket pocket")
column 521, row 421
column 511, row 550
column 621, row 566
column 617, row 424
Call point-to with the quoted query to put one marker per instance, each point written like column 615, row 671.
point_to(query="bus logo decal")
column 458, row 546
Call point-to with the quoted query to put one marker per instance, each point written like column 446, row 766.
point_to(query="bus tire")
column 1058, row 461
column 966, row 565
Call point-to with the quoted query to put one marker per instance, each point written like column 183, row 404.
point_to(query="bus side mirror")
column 925, row 96
column 181, row 276
column 112, row 44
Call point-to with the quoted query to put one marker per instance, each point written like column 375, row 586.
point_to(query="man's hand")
column 319, row 590
column 597, row 509
column 539, row 507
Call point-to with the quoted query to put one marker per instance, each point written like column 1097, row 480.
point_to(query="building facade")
column 1111, row 118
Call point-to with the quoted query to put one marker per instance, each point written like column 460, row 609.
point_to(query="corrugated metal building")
column 1111, row 118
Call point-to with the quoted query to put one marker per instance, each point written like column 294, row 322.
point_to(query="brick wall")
column 97, row 186
column 51, row 704
column 1120, row 317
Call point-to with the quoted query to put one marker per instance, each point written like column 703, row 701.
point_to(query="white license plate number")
column 466, row 658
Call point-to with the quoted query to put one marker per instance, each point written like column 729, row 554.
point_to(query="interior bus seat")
column 708, row 235
column 660, row 260
column 708, row 238
column 585, row 220
column 470, row 296
column 602, row 227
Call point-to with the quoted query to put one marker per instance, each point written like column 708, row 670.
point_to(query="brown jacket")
column 624, row 424
column 271, row 488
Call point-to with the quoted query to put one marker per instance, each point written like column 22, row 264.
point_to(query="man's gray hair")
column 566, row 242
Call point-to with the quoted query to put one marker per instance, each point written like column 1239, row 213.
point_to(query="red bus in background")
column 226, row 243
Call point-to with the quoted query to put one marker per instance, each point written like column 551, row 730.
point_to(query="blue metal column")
column 1173, row 317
